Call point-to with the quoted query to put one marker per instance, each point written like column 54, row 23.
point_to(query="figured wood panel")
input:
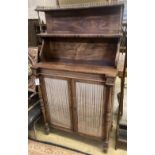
column 84, row 21
column 73, row 75
column 90, row 100
column 90, row 51
column 58, row 102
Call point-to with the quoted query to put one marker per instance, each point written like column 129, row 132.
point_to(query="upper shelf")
column 48, row 35
column 89, row 21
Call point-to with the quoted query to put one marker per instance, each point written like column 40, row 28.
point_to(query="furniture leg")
column 105, row 146
column 47, row 129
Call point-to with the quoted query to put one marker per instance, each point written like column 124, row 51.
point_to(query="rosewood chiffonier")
column 77, row 68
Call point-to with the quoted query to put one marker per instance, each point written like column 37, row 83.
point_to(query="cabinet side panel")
column 89, row 98
column 58, row 102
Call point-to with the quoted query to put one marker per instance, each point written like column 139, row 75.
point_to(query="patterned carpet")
column 36, row 148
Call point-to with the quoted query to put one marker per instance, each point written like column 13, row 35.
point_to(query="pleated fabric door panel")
column 90, row 106
column 58, row 101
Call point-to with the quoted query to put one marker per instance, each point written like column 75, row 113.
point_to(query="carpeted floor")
column 37, row 148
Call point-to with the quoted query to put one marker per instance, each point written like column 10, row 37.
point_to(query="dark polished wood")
column 78, row 22
column 79, row 50
column 50, row 35
column 77, row 68
column 80, row 68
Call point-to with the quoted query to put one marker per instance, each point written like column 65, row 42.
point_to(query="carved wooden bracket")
column 34, row 71
column 110, row 81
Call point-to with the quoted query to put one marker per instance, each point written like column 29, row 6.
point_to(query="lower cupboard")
column 82, row 106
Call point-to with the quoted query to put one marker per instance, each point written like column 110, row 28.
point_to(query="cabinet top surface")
column 83, row 68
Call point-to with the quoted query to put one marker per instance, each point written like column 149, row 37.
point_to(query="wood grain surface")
column 77, row 50
column 99, row 21
column 81, row 68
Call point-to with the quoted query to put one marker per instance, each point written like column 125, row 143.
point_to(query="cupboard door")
column 58, row 101
column 90, row 104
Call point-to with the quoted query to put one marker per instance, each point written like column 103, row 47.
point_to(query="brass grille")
column 89, row 98
column 58, row 102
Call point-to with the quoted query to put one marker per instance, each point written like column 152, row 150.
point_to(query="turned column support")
column 47, row 129
column 108, row 111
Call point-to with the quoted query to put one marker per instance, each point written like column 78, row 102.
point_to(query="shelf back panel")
column 95, row 20
column 93, row 51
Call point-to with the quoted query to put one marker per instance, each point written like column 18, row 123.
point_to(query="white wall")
column 32, row 4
